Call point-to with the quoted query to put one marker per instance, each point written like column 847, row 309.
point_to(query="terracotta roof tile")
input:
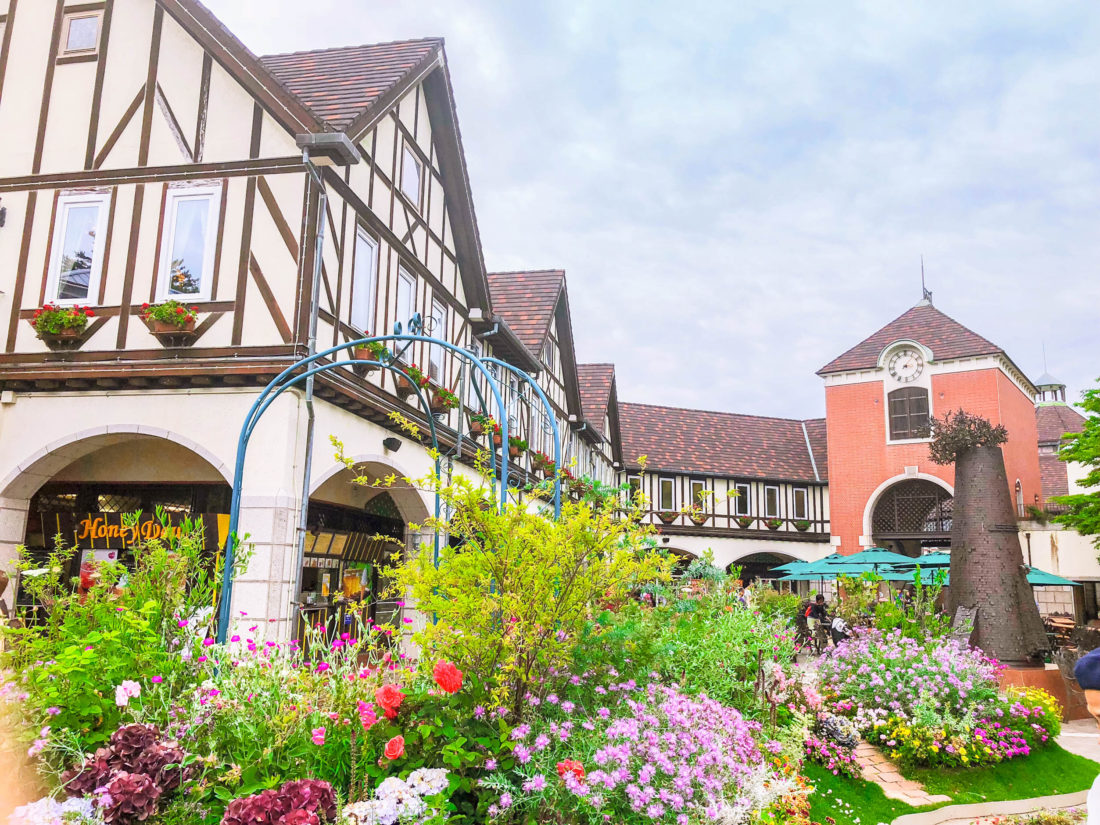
column 340, row 84
column 527, row 301
column 719, row 443
column 595, row 381
column 925, row 324
column 1055, row 420
column 1054, row 476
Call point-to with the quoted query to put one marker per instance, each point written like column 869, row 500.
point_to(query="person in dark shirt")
column 816, row 613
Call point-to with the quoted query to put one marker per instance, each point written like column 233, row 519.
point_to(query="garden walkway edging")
column 959, row 814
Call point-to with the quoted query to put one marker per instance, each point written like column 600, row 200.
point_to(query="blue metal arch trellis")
column 306, row 368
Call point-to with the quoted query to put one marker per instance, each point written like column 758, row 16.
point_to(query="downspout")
column 314, row 313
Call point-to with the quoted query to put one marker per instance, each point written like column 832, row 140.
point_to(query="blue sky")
column 740, row 191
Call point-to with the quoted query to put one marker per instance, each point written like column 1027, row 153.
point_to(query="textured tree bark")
column 987, row 565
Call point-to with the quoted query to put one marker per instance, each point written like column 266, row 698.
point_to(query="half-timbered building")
column 151, row 156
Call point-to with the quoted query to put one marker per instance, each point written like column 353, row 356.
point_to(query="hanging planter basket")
column 802, row 525
column 699, row 519
column 774, row 523
column 667, row 516
column 745, row 522
column 365, row 356
column 476, row 427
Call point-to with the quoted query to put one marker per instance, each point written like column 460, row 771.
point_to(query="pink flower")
column 207, row 642
column 318, row 736
column 157, row 680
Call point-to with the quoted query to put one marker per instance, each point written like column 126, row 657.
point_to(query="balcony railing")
column 754, row 525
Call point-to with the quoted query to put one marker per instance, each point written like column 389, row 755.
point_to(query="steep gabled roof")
column 339, row 85
column 926, row 325
column 527, row 301
column 1055, row 420
column 596, row 381
column 722, row 444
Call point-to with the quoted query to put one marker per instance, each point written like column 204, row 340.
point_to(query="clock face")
column 906, row 365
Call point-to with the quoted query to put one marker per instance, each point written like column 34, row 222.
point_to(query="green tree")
column 1084, row 449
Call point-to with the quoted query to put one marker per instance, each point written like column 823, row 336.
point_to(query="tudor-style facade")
column 164, row 162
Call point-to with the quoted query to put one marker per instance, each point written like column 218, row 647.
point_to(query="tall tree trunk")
column 987, row 565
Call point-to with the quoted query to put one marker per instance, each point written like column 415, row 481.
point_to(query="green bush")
column 773, row 605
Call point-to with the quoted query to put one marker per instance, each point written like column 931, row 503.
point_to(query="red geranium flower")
column 448, row 677
column 571, row 766
column 89, row 313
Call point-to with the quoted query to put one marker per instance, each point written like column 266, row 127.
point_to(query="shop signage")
column 107, row 531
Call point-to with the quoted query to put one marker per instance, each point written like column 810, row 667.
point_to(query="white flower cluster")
column 398, row 800
column 48, row 811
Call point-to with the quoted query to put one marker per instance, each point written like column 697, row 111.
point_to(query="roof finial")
column 926, row 293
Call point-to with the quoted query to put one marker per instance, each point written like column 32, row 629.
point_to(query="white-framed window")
column 80, row 33
column 438, row 329
column 666, row 494
column 411, row 173
column 406, row 287
column 634, row 484
column 550, row 354
column 364, row 281
column 76, row 261
column 190, row 237
column 771, row 501
column 801, row 499
column 742, row 502
column 698, row 491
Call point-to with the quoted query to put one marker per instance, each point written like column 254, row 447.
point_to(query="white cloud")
column 741, row 191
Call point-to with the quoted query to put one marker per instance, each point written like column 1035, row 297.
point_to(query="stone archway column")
column 13, row 532
column 262, row 590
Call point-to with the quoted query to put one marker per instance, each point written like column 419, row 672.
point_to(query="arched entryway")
column 912, row 516
column 759, row 566
column 80, row 486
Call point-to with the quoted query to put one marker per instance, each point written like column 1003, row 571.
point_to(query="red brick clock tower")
column 884, row 491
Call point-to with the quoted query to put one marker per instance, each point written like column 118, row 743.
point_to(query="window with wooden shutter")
column 908, row 413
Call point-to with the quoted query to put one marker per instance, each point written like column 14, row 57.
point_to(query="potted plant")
column 542, row 463
column 745, row 521
column 667, row 516
column 169, row 317
column 61, row 327
column 498, row 439
column 443, row 400
column 580, row 487
column 406, row 383
column 698, row 516
column 802, row 525
column 374, row 351
column 480, row 423
column 774, row 523
column 516, row 446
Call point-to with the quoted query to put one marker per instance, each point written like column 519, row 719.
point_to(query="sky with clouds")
column 740, row 191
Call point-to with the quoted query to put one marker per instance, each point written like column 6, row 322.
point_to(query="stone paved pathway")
column 884, row 773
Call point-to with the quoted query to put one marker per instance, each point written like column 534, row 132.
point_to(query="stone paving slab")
column 876, row 768
column 967, row 814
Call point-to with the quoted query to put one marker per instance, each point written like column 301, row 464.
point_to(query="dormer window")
column 550, row 353
column 411, row 183
column 908, row 409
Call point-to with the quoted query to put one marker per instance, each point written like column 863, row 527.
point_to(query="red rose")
column 571, row 766
column 448, row 677
column 389, row 698
column 395, row 748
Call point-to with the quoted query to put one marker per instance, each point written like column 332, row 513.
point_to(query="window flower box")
column 480, row 423
column 171, row 323
column 667, row 516
column 405, row 384
column 802, row 525
column 699, row 519
column 516, row 446
column 61, row 328
column 443, row 401
column 774, row 523
column 374, row 351
column 745, row 522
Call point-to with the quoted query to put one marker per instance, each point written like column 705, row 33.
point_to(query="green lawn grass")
column 849, row 801
column 1044, row 772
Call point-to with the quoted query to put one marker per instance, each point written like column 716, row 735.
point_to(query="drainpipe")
column 330, row 148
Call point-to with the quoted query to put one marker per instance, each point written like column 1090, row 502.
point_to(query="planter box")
column 745, row 522
column 438, row 406
column 172, row 335
column 498, row 440
column 476, row 428
column 668, row 518
column 67, row 339
column 699, row 521
column 514, row 452
column 364, row 354
column 403, row 386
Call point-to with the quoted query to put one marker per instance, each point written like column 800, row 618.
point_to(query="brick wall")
column 860, row 460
